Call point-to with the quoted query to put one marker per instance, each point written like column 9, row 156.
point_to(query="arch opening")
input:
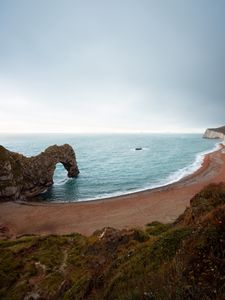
column 60, row 174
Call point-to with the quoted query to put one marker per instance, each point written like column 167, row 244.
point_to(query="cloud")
column 121, row 65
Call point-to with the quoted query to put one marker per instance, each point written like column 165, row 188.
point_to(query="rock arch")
column 22, row 177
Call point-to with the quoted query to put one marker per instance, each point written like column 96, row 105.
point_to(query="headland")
column 162, row 204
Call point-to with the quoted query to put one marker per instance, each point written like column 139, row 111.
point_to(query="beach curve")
column 162, row 204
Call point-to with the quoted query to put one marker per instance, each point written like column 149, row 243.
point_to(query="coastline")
column 200, row 158
column 162, row 204
column 188, row 170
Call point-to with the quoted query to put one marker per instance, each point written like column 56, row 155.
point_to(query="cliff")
column 215, row 133
column 184, row 260
column 22, row 177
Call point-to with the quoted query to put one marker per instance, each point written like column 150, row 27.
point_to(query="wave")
column 172, row 178
column 192, row 168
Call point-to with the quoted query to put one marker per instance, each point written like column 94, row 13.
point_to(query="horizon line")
column 103, row 132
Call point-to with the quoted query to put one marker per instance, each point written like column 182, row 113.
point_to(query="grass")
column 184, row 260
column 156, row 228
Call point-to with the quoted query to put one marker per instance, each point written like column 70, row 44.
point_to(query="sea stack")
column 23, row 177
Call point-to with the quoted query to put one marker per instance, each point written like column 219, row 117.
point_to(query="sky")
column 112, row 66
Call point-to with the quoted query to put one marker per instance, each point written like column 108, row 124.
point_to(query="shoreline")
column 136, row 209
column 204, row 155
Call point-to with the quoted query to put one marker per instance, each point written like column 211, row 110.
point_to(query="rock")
column 22, row 177
column 111, row 239
column 215, row 133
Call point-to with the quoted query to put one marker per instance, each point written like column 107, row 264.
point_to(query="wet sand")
column 163, row 204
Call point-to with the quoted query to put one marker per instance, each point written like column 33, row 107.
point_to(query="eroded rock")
column 22, row 177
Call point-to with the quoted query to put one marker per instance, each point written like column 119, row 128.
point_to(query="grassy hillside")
column 184, row 260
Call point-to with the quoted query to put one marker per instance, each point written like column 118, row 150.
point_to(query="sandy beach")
column 163, row 204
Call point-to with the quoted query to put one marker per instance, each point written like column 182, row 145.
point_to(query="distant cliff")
column 215, row 133
column 22, row 177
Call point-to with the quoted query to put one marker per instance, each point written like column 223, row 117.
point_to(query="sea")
column 109, row 164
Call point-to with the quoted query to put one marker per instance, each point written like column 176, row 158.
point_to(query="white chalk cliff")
column 215, row 133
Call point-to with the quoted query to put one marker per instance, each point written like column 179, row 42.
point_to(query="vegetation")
column 184, row 260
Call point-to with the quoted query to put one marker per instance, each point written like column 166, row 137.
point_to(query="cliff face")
column 22, row 177
column 215, row 133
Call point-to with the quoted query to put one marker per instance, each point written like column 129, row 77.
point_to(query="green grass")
column 156, row 228
column 162, row 261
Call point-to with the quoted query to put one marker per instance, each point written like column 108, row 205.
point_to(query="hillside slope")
column 184, row 260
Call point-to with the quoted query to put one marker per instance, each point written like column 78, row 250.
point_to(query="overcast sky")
column 121, row 65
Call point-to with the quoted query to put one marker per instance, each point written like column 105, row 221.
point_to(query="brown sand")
column 163, row 204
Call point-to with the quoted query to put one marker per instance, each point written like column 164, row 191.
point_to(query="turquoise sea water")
column 109, row 164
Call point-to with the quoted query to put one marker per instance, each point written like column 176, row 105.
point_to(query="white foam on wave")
column 188, row 170
column 174, row 177
column 59, row 182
